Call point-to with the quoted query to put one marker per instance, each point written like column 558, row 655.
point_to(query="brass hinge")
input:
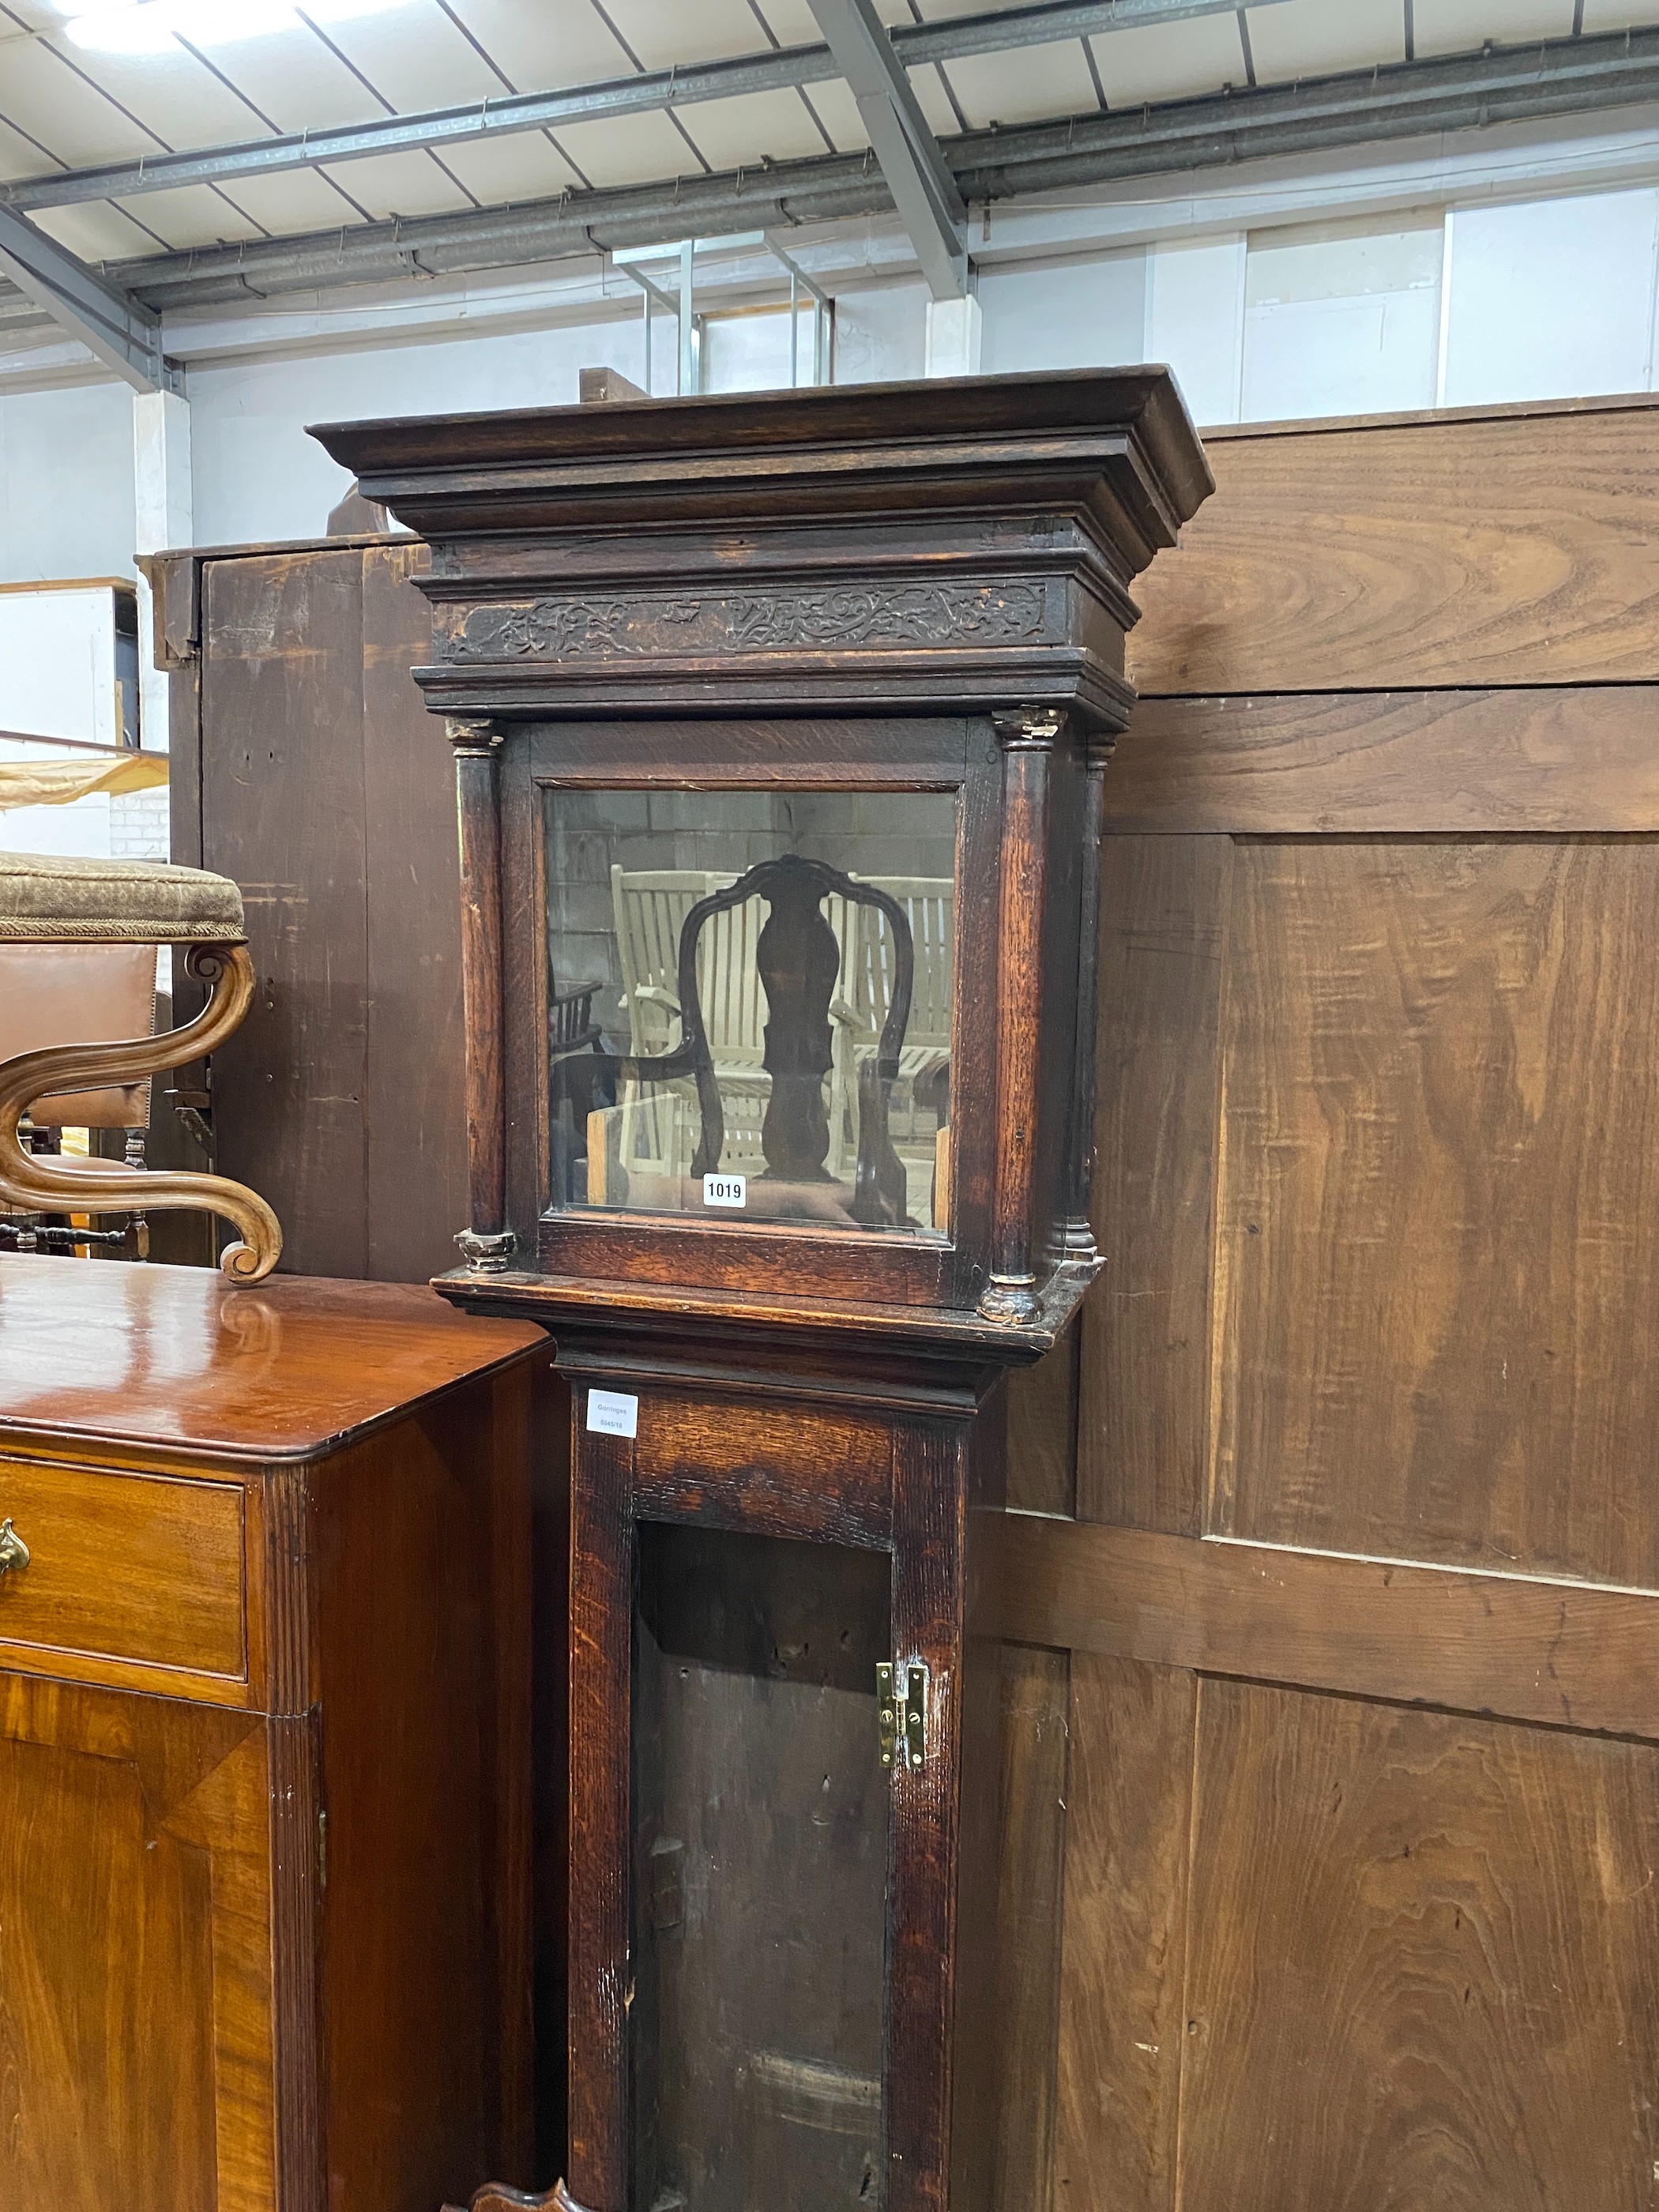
column 902, row 1712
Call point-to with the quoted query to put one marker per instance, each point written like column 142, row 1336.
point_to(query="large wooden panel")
column 1571, row 1654
column 1577, row 758
column 423, row 1567
column 1438, row 1230
column 1122, row 2021
column 1512, row 549
column 416, row 1121
column 1421, row 1963
column 1145, row 1351
column 1043, row 1429
column 1031, row 1832
column 282, row 811
column 327, row 791
column 135, row 1955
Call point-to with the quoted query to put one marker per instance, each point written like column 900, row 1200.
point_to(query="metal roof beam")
column 124, row 333
column 915, row 44
column 924, row 192
column 1404, row 100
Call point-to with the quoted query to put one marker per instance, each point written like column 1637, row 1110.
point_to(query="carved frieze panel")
column 615, row 626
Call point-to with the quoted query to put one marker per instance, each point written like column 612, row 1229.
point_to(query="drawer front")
column 146, row 1569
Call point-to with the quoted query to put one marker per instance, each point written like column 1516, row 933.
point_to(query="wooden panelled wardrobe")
column 1332, row 1824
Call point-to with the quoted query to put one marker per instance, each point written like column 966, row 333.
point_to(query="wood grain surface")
column 1042, row 1405
column 1510, row 550
column 281, row 801
column 415, row 1165
column 1420, row 1965
column 422, row 1567
column 1438, row 1211
column 134, row 1954
column 1031, row 1857
column 1142, row 1441
column 127, row 1566
column 1571, row 759
column 176, row 1359
column 1560, row 1654
column 1122, row 2021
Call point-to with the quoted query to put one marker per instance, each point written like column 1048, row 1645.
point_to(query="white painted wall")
column 1065, row 314
column 1340, row 319
column 66, row 490
column 1551, row 297
column 257, row 476
column 881, row 333
column 1195, row 321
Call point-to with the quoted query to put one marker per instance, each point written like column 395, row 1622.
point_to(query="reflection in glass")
column 750, row 1004
column 760, row 1815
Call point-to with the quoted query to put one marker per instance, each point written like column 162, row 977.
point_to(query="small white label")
column 613, row 1414
column 726, row 1190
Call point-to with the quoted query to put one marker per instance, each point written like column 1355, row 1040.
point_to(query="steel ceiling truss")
column 925, row 194
column 1402, row 100
column 124, row 333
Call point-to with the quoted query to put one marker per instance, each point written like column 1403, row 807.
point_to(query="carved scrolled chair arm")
column 33, row 1187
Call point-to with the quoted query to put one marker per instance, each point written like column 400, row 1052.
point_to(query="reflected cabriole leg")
column 494, row 2199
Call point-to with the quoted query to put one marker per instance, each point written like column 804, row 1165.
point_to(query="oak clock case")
column 779, row 727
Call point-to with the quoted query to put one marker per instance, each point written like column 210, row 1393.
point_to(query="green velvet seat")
column 49, row 901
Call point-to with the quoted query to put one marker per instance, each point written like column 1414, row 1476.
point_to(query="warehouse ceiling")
column 180, row 152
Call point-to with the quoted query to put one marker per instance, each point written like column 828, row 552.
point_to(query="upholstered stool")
column 58, row 903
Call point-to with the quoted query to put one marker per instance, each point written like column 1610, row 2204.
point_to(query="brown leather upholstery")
column 79, row 993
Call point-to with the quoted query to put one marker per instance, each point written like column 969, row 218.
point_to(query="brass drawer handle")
column 14, row 1551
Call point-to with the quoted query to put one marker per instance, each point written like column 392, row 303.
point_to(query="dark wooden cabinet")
column 264, row 1743
column 781, row 727
column 304, row 768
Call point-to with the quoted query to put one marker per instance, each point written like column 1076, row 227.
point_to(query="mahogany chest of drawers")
column 265, row 1885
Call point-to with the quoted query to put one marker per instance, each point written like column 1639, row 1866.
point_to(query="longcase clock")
column 780, row 723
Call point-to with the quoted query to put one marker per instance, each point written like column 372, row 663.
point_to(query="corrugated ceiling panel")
column 18, row 158
column 842, row 119
column 416, row 58
column 523, row 167
column 934, row 103
column 1459, row 27
column 195, row 215
column 1169, row 61
column 294, row 80
column 32, row 15
column 1309, row 38
column 1023, row 87
column 294, row 201
column 182, row 102
column 664, row 32
column 629, row 150
column 96, row 233
column 733, row 132
column 792, row 23
column 555, row 42
column 41, row 92
column 398, row 184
